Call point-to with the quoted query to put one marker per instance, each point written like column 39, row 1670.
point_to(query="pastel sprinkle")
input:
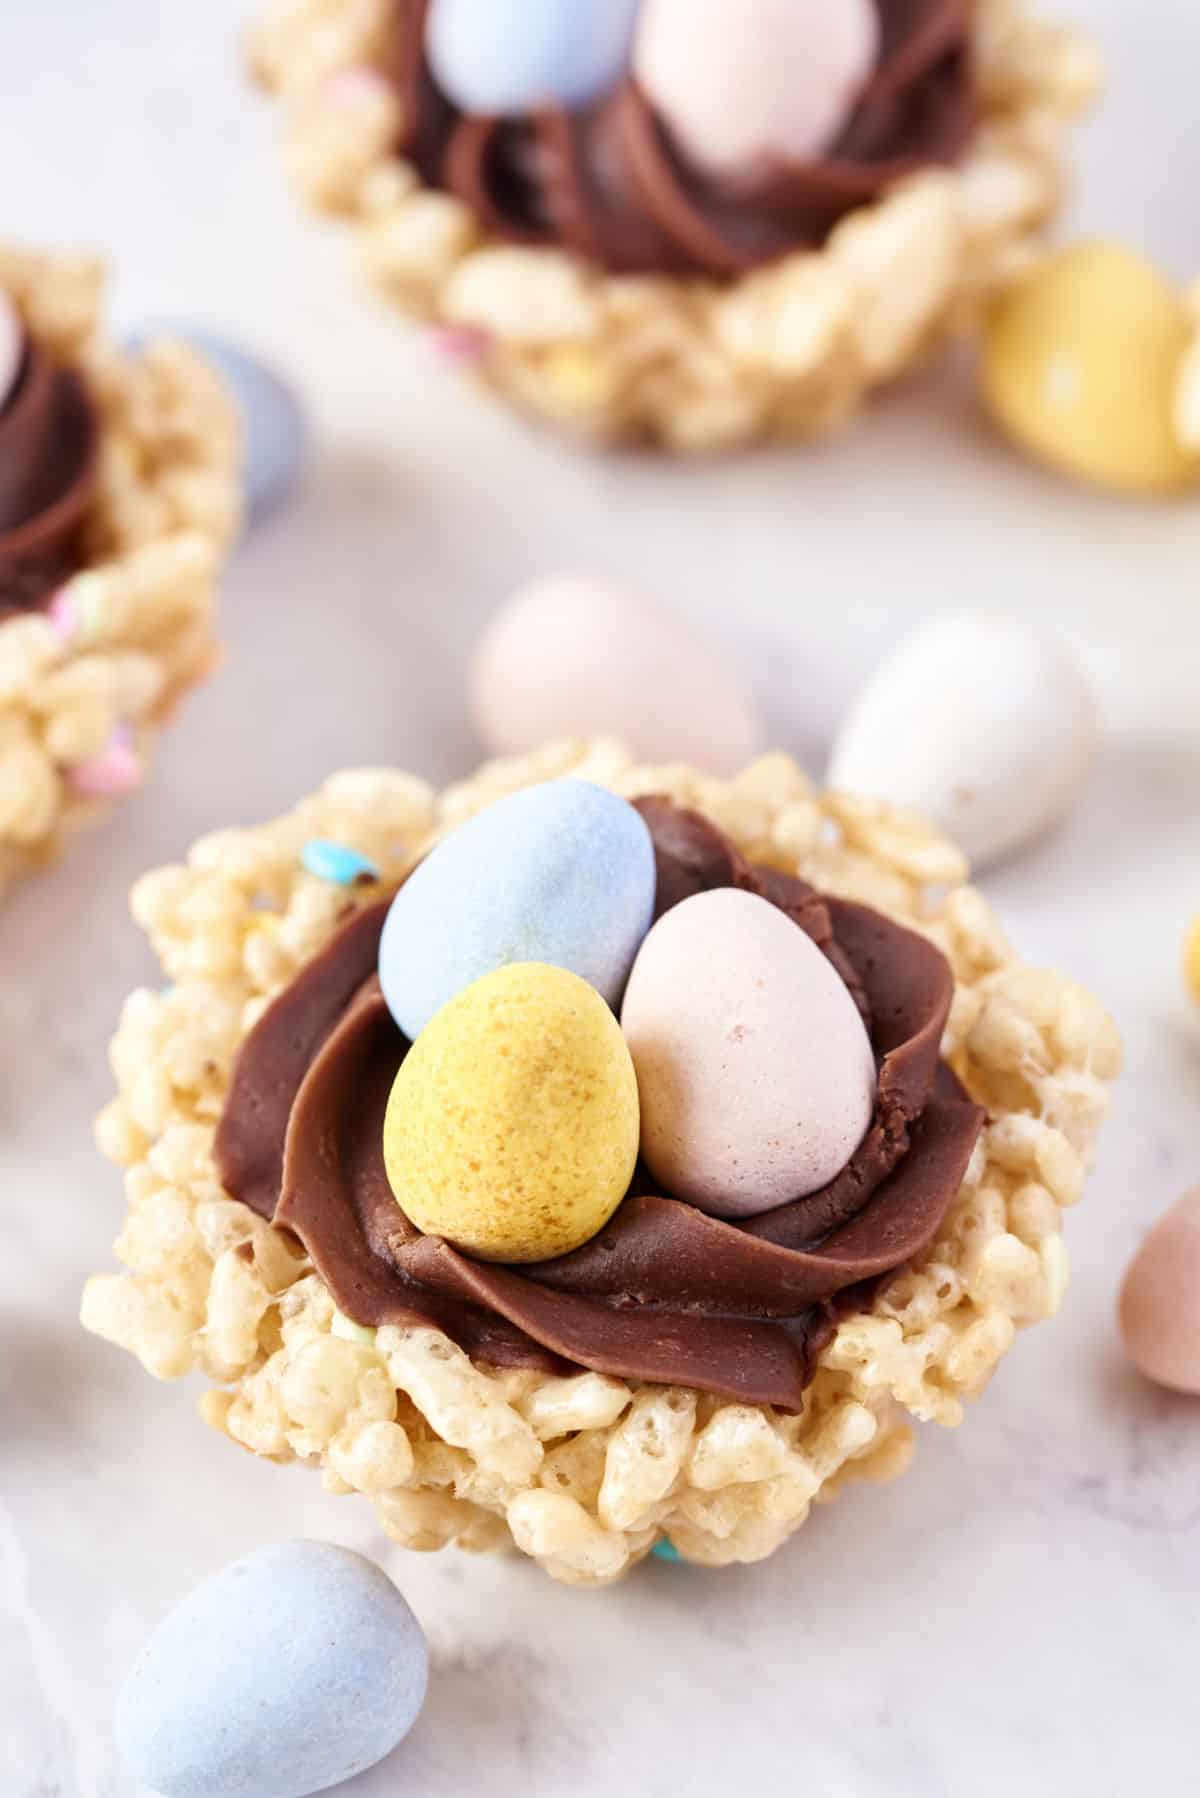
column 665, row 1550
column 115, row 770
column 336, row 863
column 355, row 87
column 579, row 375
column 1191, row 958
column 459, row 344
column 74, row 612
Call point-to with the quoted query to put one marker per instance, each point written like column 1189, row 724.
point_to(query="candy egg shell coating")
column 12, row 342
column 561, row 873
column 490, row 56
column 747, row 84
column 577, row 655
column 755, row 1073
column 1159, row 1308
column 977, row 723
column 512, row 1128
column 1081, row 364
column 288, row 1672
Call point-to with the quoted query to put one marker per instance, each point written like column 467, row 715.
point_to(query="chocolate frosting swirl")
column 608, row 182
column 49, row 438
column 664, row 1292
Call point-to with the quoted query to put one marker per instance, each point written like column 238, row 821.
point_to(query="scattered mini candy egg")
column 1191, row 958
column 512, row 1128
column 274, row 427
column 978, row 723
column 745, row 85
column 576, row 655
column 12, row 342
column 337, row 862
column 1081, row 363
column 560, row 873
column 1160, row 1300
column 665, row 1550
column 283, row 1675
column 725, row 995
column 506, row 56
column 115, row 771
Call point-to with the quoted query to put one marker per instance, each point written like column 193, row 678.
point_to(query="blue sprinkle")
column 665, row 1550
column 274, row 427
column 333, row 861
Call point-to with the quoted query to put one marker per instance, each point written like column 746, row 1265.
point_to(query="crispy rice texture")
column 690, row 364
column 583, row 1473
column 166, row 509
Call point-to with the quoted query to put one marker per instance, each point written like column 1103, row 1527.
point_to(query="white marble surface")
column 1020, row 1612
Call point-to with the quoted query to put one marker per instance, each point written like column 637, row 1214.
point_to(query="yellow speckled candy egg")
column 512, row 1128
column 1080, row 366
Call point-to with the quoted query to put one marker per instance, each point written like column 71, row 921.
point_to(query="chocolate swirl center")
column 49, row 440
column 664, row 1292
column 608, row 182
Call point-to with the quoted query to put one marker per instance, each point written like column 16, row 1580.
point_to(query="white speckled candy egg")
column 506, row 56
column 283, row 1675
column 978, row 723
column 1160, row 1300
column 12, row 339
column 755, row 1073
column 577, row 655
column 562, row 873
column 744, row 85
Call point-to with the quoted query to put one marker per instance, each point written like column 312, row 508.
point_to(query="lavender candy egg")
column 12, row 341
column 507, row 56
column 562, row 873
column 747, row 85
column 755, row 1074
column 287, row 1673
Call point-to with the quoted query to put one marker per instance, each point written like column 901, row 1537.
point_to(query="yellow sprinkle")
column 1191, row 958
column 580, row 376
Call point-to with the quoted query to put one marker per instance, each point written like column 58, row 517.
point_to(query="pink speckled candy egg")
column 755, row 1072
column 1160, row 1300
column 12, row 338
column 745, row 85
column 577, row 655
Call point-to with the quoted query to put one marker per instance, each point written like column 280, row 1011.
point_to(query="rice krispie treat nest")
column 581, row 1470
column 651, row 313
column 111, row 618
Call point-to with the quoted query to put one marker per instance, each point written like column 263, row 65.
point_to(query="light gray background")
column 1020, row 1613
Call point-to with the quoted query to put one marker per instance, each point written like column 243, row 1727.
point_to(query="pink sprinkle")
column 63, row 614
column 459, row 343
column 114, row 771
column 354, row 87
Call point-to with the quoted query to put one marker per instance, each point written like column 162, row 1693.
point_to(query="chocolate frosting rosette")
column 469, row 1228
column 633, row 221
column 118, row 498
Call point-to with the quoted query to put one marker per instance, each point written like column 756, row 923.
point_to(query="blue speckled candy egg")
column 561, row 873
column 286, row 1674
column 274, row 427
column 505, row 56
